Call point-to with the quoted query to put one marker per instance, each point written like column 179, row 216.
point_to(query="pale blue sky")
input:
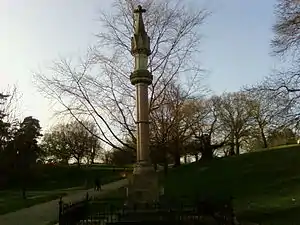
column 235, row 47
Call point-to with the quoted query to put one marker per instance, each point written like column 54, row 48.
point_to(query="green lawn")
column 265, row 185
column 50, row 182
column 11, row 201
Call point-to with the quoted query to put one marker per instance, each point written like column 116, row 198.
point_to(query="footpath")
column 43, row 214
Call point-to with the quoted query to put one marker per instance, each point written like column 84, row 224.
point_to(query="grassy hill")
column 265, row 184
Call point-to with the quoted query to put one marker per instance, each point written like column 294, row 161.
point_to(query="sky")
column 234, row 52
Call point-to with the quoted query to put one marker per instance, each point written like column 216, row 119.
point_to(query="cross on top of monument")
column 139, row 27
column 139, row 9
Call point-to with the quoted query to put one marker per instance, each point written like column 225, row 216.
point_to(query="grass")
column 50, row 182
column 265, row 185
column 11, row 201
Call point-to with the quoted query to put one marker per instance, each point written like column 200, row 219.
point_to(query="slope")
column 265, row 184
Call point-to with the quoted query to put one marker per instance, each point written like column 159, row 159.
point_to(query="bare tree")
column 283, row 86
column 11, row 106
column 9, row 110
column 287, row 28
column 4, row 126
column 266, row 116
column 72, row 140
column 172, row 121
column 98, row 86
column 235, row 112
column 206, row 138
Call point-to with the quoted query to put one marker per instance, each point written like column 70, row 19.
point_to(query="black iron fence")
column 90, row 210
column 112, row 211
column 199, row 212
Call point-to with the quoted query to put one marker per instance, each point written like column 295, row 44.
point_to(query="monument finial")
column 139, row 27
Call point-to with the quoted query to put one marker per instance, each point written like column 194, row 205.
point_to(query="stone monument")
column 143, row 186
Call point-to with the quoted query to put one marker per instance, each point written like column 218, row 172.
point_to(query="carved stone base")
column 143, row 186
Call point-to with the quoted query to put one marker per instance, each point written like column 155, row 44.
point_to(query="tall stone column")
column 144, row 185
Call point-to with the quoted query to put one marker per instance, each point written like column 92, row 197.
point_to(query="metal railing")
column 90, row 210
column 112, row 211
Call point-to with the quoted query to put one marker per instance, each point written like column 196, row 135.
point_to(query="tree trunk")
column 207, row 153
column 196, row 157
column 263, row 136
column 177, row 156
column 237, row 145
column 177, row 159
column 185, row 159
column 25, row 176
column 78, row 162
column 231, row 150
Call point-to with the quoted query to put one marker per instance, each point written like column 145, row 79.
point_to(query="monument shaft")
column 142, row 123
column 141, row 78
column 144, row 185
